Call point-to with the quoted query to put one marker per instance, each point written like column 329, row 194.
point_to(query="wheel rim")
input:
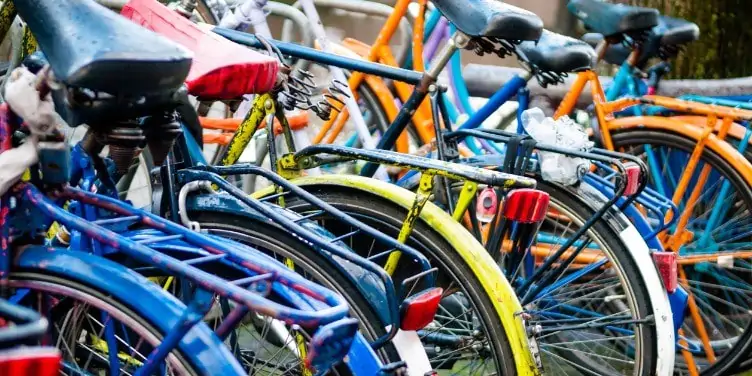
column 80, row 335
column 716, row 261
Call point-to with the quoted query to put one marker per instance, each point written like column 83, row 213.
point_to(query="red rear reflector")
column 487, row 205
column 26, row 361
column 633, row 178
column 419, row 310
column 667, row 269
column 526, row 205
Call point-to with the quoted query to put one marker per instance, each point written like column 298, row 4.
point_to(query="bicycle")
column 288, row 49
column 507, row 311
column 669, row 138
column 137, row 237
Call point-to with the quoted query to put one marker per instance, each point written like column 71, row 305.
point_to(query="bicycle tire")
column 262, row 236
column 387, row 217
column 60, row 283
column 735, row 142
column 626, row 138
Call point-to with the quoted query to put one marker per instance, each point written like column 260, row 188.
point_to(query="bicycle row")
column 382, row 225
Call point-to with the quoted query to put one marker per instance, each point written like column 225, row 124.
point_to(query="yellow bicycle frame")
column 492, row 280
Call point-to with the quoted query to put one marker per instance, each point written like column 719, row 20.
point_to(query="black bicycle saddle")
column 491, row 18
column 89, row 46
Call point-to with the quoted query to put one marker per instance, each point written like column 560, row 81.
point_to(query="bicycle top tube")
column 301, row 52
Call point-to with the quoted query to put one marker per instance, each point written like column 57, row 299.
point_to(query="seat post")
column 427, row 83
column 633, row 57
column 600, row 50
column 456, row 41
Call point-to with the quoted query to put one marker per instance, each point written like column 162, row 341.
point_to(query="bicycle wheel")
column 714, row 258
column 597, row 317
column 745, row 365
column 466, row 337
column 308, row 262
column 77, row 312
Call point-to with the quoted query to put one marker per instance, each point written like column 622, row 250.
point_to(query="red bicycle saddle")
column 221, row 69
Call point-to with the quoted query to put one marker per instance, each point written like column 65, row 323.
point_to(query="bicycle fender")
column 368, row 283
column 664, row 319
column 736, row 130
column 200, row 346
column 492, row 280
column 663, row 124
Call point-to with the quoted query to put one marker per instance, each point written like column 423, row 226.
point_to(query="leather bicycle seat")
column 613, row 19
column 491, row 18
column 221, row 69
column 676, row 31
column 89, row 46
column 661, row 41
column 558, row 53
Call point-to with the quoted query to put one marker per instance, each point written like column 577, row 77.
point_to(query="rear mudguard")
column 199, row 346
column 493, row 281
column 367, row 282
column 677, row 299
column 688, row 130
column 736, row 131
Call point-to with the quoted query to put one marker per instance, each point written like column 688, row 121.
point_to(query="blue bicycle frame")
column 100, row 223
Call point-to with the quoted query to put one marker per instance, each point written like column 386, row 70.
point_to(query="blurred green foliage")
column 725, row 30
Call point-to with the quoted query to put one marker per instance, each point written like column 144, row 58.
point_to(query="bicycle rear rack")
column 299, row 302
column 657, row 206
column 330, row 244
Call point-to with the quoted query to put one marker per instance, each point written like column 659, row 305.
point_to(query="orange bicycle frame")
column 380, row 52
column 709, row 127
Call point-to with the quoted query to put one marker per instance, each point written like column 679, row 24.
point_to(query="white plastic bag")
column 564, row 133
